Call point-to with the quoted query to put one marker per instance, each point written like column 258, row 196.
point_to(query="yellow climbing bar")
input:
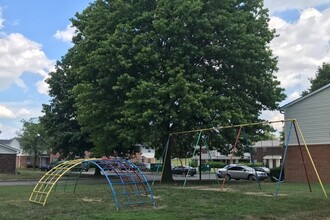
column 133, row 185
column 45, row 185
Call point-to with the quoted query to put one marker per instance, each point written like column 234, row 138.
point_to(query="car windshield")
column 227, row 166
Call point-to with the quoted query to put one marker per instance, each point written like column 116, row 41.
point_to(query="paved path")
column 149, row 176
column 18, row 182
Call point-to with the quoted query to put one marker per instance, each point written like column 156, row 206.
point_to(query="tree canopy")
column 59, row 119
column 139, row 70
column 322, row 78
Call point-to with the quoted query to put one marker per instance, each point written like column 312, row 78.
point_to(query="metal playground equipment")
column 127, row 183
column 293, row 128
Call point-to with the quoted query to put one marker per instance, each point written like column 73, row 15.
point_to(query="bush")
column 216, row 164
column 193, row 163
column 275, row 173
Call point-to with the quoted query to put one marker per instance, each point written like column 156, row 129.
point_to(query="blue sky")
column 34, row 34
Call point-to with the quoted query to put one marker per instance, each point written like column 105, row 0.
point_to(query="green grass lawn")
column 198, row 200
column 22, row 174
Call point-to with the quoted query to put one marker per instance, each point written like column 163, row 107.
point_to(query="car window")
column 248, row 168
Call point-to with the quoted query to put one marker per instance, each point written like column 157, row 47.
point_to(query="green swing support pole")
column 210, row 158
column 251, row 156
column 197, row 141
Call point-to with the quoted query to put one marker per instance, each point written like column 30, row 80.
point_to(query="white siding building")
column 312, row 113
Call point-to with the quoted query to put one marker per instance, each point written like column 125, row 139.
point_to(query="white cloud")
column 274, row 116
column 65, row 35
column 20, row 83
column 24, row 112
column 10, row 117
column 301, row 48
column 6, row 113
column 283, row 5
column 18, row 55
column 12, row 113
column 42, row 87
column 293, row 96
column 17, row 110
column 7, row 132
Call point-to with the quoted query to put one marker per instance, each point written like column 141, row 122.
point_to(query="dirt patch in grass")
column 262, row 194
column 212, row 189
column 91, row 199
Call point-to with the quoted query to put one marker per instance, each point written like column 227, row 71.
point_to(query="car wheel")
column 227, row 177
column 251, row 178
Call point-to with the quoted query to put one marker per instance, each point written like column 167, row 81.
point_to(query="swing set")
column 201, row 139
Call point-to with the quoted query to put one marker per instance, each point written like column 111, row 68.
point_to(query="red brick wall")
column 259, row 153
column 21, row 161
column 7, row 163
column 294, row 166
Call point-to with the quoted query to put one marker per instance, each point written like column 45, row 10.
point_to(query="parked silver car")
column 264, row 169
column 241, row 172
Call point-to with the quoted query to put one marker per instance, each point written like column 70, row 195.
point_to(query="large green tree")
column 143, row 69
column 322, row 78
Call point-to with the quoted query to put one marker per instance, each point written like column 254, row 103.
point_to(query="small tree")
column 322, row 78
column 32, row 138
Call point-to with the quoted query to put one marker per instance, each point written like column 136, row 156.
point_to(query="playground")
column 198, row 200
column 122, row 191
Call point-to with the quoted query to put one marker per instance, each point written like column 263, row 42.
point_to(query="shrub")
column 275, row 173
column 216, row 164
column 193, row 163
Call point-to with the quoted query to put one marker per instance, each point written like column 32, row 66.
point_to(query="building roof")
column 5, row 149
column 147, row 152
column 268, row 143
column 6, row 141
column 304, row 97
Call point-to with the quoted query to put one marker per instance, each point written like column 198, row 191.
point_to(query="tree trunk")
column 167, row 169
column 35, row 161
column 35, row 153
column 97, row 171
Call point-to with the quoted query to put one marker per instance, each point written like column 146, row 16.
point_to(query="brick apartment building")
column 268, row 152
column 24, row 160
column 312, row 113
column 7, row 159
